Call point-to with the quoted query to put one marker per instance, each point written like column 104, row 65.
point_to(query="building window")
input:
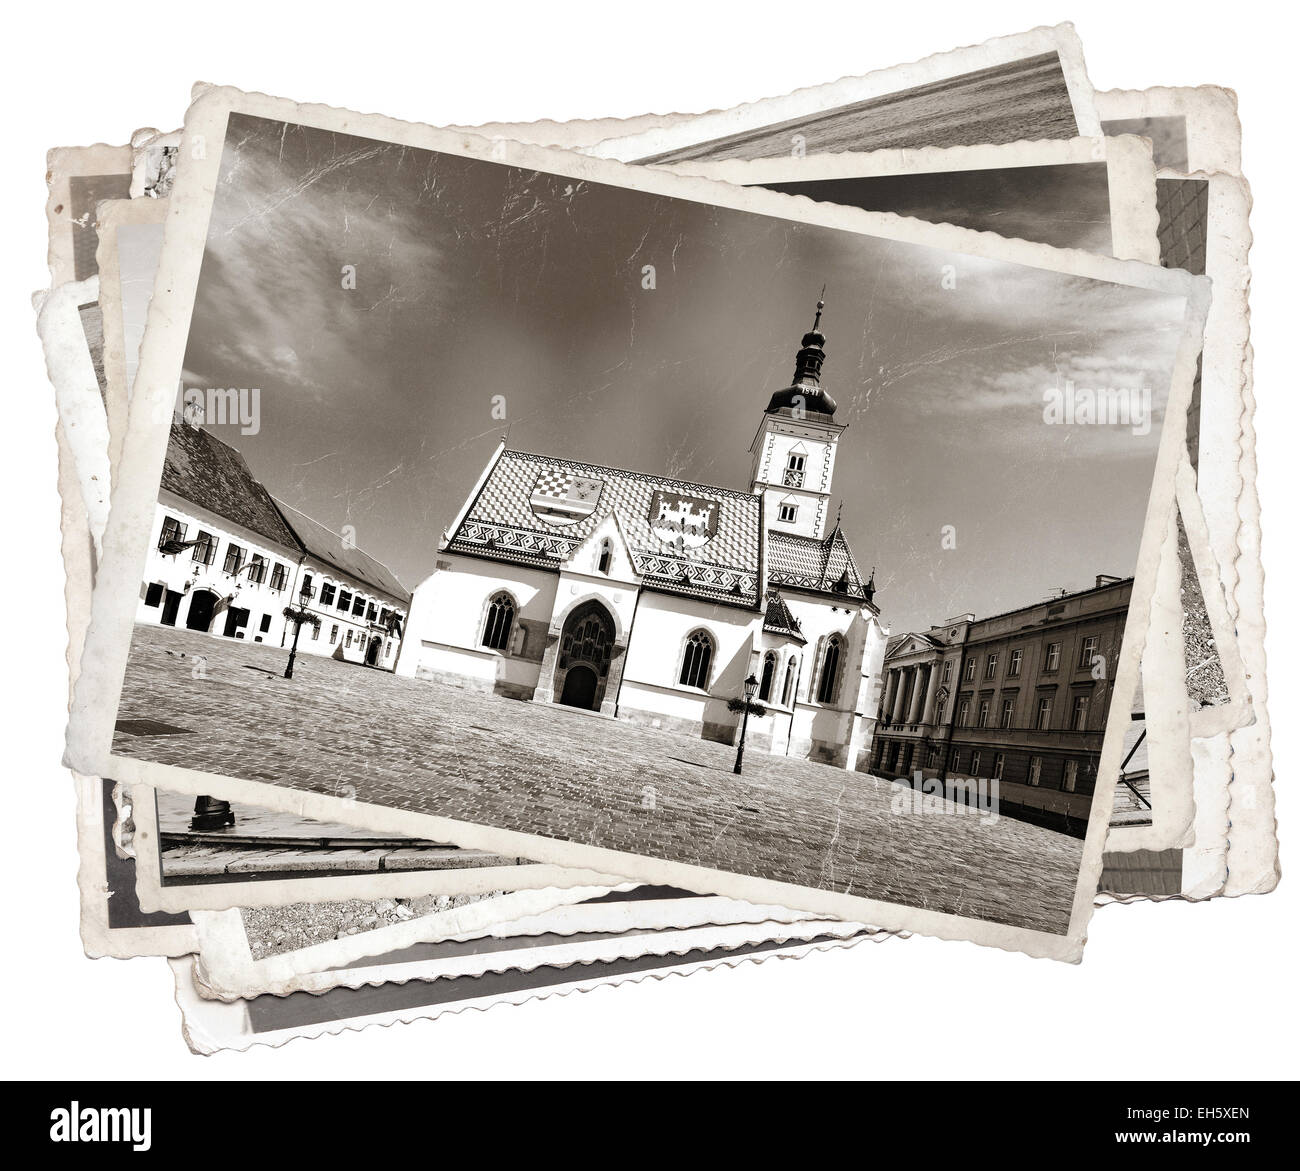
column 991, row 666
column 769, row 674
column 234, row 558
column 1053, row 660
column 1035, row 770
column 345, row 601
column 205, row 548
column 279, row 576
column 947, row 670
column 1013, row 664
column 975, row 764
column 1008, row 712
column 787, row 513
column 173, row 533
column 999, row 763
column 695, row 661
column 1071, row 775
column 1043, row 717
column 266, row 623
column 315, row 633
column 257, row 569
column 358, row 606
column 956, row 761
column 984, row 714
column 794, row 468
column 963, row 713
column 1087, row 649
column 371, row 612
column 153, row 595
column 388, row 649
column 498, row 622
column 334, row 633
column 787, row 692
column 827, row 685
column 968, row 672
column 606, row 558
column 932, row 757
column 326, row 594
column 1079, row 714
column 347, row 638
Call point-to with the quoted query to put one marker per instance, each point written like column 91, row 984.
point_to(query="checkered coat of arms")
column 561, row 497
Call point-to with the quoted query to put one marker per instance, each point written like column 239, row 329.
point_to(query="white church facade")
column 652, row 599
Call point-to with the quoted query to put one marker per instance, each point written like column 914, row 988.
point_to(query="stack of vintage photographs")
column 545, row 556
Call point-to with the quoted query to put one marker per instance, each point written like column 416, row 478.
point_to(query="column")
column 931, row 694
column 900, row 693
column 914, row 708
column 891, row 681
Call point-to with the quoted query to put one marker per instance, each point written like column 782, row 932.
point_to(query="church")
column 652, row 599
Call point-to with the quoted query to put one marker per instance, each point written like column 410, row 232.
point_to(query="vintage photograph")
column 504, row 496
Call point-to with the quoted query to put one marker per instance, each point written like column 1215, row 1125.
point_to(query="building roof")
column 325, row 545
column 200, row 468
column 683, row 537
column 823, row 565
column 779, row 620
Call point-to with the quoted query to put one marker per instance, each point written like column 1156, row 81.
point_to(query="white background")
column 1164, row 991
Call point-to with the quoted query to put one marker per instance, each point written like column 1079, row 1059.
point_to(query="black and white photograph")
column 517, row 509
column 567, row 506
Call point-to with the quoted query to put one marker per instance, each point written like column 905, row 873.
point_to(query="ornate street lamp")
column 299, row 616
column 746, row 705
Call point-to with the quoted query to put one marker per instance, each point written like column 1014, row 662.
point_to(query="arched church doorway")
column 202, row 606
column 579, row 687
column 586, row 648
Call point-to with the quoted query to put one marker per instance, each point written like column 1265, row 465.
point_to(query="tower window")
column 695, row 661
column 498, row 621
column 787, row 513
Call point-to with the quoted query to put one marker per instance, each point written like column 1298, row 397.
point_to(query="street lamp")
column 298, row 617
column 751, row 687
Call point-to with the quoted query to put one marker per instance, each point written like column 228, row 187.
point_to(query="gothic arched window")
column 498, row 621
column 695, row 661
column 606, row 557
column 769, row 674
column 830, row 670
column 787, row 692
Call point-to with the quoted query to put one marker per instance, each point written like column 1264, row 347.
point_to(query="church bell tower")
column 794, row 450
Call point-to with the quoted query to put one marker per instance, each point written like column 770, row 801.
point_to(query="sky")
column 476, row 280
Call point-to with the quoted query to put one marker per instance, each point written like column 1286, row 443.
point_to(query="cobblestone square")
column 427, row 748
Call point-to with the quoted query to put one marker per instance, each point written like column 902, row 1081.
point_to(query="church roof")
column 823, row 565
column 779, row 620
column 200, row 468
column 683, row 537
column 330, row 547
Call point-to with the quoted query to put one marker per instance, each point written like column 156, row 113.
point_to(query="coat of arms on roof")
column 564, row 498
column 685, row 521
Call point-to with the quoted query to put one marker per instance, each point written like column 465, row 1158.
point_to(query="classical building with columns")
column 1020, row 697
column 652, row 599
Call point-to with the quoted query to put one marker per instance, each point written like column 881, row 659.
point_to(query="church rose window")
column 769, row 673
column 830, row 670
column 498, row 622
column 695, row 662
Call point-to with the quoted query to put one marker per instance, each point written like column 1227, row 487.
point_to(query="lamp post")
column 751, row 686
column 298, row 616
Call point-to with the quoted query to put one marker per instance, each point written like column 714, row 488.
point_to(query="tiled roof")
column 501, row 523
column 328, row 546
column 826, row 565
column 779, row 620
column 203, row 470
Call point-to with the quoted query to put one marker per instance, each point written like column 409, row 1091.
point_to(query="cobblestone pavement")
column 424, row 747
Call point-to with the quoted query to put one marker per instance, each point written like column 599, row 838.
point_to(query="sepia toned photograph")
column 530, row 503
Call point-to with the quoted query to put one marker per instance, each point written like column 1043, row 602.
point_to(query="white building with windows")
column 652, row 599
column 227, row 559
